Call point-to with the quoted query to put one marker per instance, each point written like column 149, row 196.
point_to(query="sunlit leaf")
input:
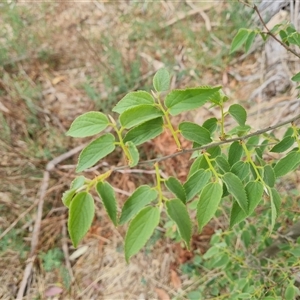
column 81, row 215
column 269, row 175
column 88, row 124
column 249, row 41
column 236, row 188
column 140, row 230
column 133, row 99
column 195, row 133
column 176, row 188
column 142, row 196
column 178, row 213
column 161, row 80
column 238, row 113
column 145, row 132
column 107, row 195
column 208, row 203
column 254, row 191
column 283, row 145
column 139, row 114
column 95, row 151
column 133, row 152
column 287, row 164
column 196, row 182
column 239, row 39
column 235, row 153
column 178, row 101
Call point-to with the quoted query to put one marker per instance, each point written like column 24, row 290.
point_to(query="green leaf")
column 241, row 169
column 235, row 153
column 133, row 99
column 237, row 215
column 211, row 252
column 179, row 214
column 296, row 77
column 95, row 151
column 68, row 196
column 199, row 163
column 134, row 154
column 214, row 151
column 179, row 101
column 239, row 39
column 211, row 125
column 176, row 188
column 252, row 142
column 221, row 261
column 208, row 203
column 287, row 164
column 222, row 163
column 294, row 38
column 238, row 113
column 283, row 36
column 81, row 215
column 107, row 195
column 195, row 133
column 275, row 206
column 246, row 238
column 240, row 130
column 235, row 187
column 218, row 98
column 283, row 145
column 196, row 183
column 145, row 132
column 249, row 41
column 78, row 182
column 269, row 175
column 139, row 114
column 161, row 80
column 260, row 150
column 254, row 191
column 140, row 230
column 142, row 196
column 289, row 132
column 290, row 292
column 88, row 124
column 290, row 29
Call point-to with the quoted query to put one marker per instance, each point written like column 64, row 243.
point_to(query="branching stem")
column 211, row 167
column 184, row 151
column 273, row 35
column 158, row 184
column 169, row 124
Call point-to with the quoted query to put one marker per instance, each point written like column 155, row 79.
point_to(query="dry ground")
column 63, row 59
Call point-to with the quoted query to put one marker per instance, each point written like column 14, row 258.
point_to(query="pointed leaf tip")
column 161, row 80
column 81, row 215
column 140, row 230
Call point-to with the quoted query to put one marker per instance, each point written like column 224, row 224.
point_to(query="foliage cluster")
column 226, row 164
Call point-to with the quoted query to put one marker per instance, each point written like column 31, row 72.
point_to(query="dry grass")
column 75, row 57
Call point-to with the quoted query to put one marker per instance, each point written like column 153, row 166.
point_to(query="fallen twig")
column 37, row 225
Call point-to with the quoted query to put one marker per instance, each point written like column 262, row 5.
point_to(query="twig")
column 272, row 35
column 184, row 151
column 37, row 225
column 66, row 250
column 35, row 236
column 21, row 216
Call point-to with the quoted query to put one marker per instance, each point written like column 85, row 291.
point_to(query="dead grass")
column 74, row 57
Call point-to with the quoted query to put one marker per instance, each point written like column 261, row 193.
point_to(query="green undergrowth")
column 232, row 267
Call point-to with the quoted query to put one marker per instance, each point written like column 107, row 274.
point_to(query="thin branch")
column 184, row 151
column 273, row 35
column 37, row 225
